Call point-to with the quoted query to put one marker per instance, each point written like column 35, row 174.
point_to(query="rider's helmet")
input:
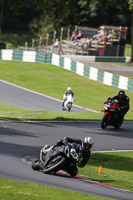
column 87, row 143
column 69, row 90
column 121, row 94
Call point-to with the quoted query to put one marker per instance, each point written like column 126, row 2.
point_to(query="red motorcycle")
column 112, row 115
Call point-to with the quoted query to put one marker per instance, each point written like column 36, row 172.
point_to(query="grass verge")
column 117, row 169
column 11, row 113
column 28, row 191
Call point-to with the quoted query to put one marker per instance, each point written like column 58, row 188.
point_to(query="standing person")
column 56, row 44
column 65, row 96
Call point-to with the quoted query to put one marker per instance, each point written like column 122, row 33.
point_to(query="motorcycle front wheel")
column 36, row 165
column 55, row 164
column 69, row 106
column 104, row 121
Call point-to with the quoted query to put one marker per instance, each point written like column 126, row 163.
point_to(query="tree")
column 1, row 14
column 131, row 9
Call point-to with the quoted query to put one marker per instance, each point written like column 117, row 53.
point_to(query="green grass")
column 17, row 38
column 28, row 191
column 117, row 169
column 53, row 81
column 128, row 50
column 12, row 113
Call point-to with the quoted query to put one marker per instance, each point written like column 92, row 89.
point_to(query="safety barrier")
column 25, row 56
column 92, row 73
column 67, row 63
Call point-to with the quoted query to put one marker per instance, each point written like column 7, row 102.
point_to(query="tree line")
column 43, row 16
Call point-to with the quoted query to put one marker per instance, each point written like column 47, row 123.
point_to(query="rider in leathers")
column 67, row 93
column 81, row 147
column 123, row 101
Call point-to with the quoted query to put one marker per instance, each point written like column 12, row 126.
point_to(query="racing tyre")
column 104, row 121
column 118, row 124
column 36, row 165
column 55, row 164
column 69, row 106
column 73, row 171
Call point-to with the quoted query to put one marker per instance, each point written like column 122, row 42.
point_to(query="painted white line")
column 111, row 151
column 43, row 95
column 86, row 109
column 28, row 90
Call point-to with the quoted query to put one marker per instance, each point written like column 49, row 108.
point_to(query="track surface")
column 18, row 140
column 13, row 95
column 124, row 70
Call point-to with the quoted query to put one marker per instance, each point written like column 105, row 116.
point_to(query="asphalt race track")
column 22, row 140
column 13, row 95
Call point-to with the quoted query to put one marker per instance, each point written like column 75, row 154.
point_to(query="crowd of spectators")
column 102, row 37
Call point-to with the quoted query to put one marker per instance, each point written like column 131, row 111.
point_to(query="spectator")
column 74, row 35
column 86, row 44
column 56, row 44
column 100, row 34
column 79, row 35
column 109, row 36
column 102, row 37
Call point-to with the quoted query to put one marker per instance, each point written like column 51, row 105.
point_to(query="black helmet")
column 121, row 93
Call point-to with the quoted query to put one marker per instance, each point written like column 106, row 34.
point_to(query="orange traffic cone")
column 100, row 169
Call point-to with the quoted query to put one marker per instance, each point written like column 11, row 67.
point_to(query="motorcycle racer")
column 65, row 96
column 123, row 101
column 81, row 147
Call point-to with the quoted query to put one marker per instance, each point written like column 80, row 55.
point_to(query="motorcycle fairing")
column 52, row 153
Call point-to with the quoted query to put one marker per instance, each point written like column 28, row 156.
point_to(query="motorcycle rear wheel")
column 73, row 171
column 54, row 166
column 117, row 125
column 104, row 121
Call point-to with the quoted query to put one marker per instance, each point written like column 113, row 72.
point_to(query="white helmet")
column 87, row 143
column 69, row 89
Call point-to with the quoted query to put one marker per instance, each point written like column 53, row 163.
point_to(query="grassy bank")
column 41, row 78
column 28, row 191
column 117, row 169
column 11, row 113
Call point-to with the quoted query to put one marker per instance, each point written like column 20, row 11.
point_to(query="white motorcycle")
column 68, row 102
